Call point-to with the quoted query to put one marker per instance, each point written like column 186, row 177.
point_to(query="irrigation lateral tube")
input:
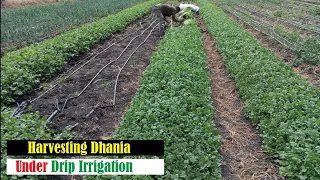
column 84, row 64
column 19, row 110
column 257, row 29
column 115, row 87
column 108, row 64
column 66, row 101
column 294, row 23
column 112, row 44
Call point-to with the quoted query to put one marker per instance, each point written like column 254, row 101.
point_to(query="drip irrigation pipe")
column 92, row 58
column 258, row 29
column 21, row 107
column 285, row 21
column 74, row 97
column 115, row 87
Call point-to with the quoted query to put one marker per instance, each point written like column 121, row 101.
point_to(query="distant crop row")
column 290, row 27
column 285, row 106
column 173, row 103
column 23, row 69
column 25, row 25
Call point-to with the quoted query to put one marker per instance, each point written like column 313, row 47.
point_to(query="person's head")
column 177, row 9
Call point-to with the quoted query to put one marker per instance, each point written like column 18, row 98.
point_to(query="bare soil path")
column 243, row 157
column 92, row 111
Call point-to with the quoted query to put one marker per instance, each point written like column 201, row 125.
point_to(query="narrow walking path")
column 243, row 157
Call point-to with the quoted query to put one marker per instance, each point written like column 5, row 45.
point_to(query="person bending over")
column 162, row 11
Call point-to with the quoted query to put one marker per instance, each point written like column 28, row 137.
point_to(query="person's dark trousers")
column 160, row 17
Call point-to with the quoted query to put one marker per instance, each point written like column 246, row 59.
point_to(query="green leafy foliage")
column 30, row 24
column 309, row 51
column 290, row 35
column 284, row 105
column 174, row 104
column 307, row 48
column 293, row 28
column 27, row 127
column 186, row 13
column 315, row 11
column 277, row 13
column 23, row 69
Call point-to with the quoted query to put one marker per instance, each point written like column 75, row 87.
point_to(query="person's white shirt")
column 193, row 7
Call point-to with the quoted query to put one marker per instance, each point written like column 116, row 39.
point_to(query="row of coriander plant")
column 285, row 106
column 26, row 127
column 23, row 69
column 174, row 104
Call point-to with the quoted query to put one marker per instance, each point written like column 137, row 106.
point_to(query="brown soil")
column 18, row 3
column 308, row 72
column 311, row 2
column 92, row 111
column 243, row 157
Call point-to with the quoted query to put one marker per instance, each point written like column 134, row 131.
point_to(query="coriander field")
column 234, row 92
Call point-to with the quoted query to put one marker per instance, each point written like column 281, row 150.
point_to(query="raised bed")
column 284, row 106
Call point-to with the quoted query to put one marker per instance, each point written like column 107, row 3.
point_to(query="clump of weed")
column 277, row 13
